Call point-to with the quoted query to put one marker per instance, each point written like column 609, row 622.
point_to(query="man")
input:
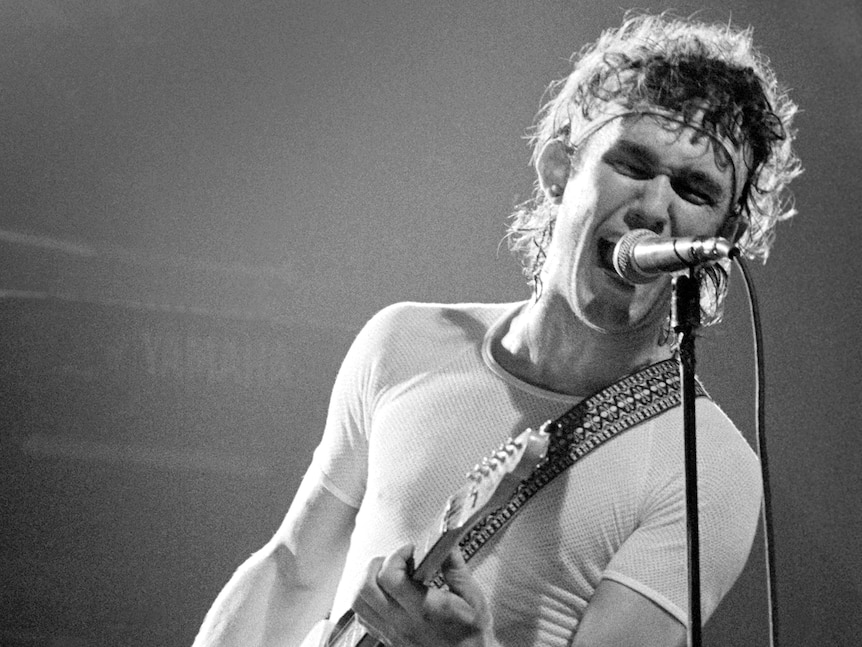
column 665, row 125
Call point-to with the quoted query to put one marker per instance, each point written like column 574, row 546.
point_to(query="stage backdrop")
column 201, row 204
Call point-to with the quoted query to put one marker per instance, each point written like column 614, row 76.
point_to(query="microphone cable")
column 760, row 434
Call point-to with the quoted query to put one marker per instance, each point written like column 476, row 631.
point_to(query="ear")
column 553, row 166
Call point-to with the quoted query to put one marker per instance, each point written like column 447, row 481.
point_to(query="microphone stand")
column 685, row 320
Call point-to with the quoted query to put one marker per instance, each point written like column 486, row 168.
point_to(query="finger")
column 391, row 626
column 371, row 595
column 395, row 578
column 461, row 582
column 419, row 603
column 400, row 562
column 372, row 606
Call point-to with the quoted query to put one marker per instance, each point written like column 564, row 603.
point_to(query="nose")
column 652, row 209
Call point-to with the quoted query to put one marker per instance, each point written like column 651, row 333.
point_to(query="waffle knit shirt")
column 419, row 400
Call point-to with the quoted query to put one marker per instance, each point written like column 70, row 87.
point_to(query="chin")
column 644, row 310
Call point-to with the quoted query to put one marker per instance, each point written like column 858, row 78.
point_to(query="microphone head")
column 642, row 256
column 624, row 260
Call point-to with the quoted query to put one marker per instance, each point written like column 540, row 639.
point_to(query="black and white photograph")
column 430, row 323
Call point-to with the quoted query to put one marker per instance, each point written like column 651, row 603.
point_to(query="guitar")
column 489, row 485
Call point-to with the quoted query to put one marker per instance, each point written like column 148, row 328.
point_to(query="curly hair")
column 704, row 72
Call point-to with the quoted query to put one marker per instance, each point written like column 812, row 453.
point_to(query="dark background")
column 202, row 202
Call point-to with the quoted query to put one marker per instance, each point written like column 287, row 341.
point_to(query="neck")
column 566, row 355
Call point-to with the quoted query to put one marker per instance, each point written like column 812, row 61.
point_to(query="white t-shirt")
column 419, row 400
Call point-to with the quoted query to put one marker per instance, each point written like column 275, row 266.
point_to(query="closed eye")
column 638, row 162
column 701, row 191
column 629, row 166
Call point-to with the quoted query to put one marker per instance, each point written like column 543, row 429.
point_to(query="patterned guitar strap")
column 582, row 429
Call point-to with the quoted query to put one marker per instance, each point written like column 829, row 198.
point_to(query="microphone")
column 642, row 256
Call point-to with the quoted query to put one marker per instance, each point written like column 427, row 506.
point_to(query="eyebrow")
column 702, row 179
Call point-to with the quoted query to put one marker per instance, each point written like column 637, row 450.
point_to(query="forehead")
column 670, row 141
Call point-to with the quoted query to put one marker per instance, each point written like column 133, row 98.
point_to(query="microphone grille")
column 623, row 257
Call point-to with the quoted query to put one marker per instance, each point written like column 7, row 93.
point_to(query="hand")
column 404, row 613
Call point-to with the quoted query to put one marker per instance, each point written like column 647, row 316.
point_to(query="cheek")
column 616, row 192
column 692, row 221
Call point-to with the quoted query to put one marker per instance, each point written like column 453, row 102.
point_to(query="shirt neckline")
column 492, row 335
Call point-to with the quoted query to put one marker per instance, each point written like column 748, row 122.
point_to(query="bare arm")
column 278, row 594
column 621, row 617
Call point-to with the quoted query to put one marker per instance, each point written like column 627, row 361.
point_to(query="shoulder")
column 728, row 467
column 423, row 316
column 721, row 440
column 716, row 432
column 406, row 338
column 411, row 323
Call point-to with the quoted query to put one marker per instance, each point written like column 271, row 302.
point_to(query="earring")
column 556, row 191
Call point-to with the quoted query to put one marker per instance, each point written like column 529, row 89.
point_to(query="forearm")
column 265, row 604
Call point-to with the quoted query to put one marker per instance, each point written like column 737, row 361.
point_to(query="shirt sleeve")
column 653, row 559
column 341, row 459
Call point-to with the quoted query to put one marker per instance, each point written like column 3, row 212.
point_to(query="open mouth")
column 606, row 254
column 605, row 251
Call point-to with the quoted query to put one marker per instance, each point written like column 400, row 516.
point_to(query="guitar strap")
column 593, row 421
column 575, row 434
